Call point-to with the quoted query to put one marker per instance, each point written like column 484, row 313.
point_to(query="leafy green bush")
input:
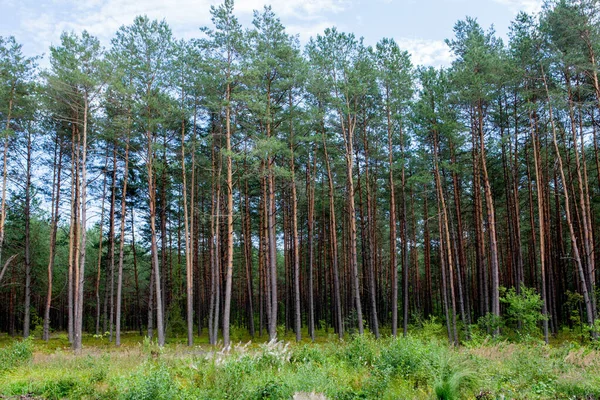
column 403, row 356
column 308, row 353
column 360, row 351
column 489, row 323
column 152, row 381
column 524, row 308
column 431, row 328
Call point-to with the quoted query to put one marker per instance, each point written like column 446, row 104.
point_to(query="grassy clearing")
column 420, row 366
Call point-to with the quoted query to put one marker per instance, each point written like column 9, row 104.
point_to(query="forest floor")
column 419, row 366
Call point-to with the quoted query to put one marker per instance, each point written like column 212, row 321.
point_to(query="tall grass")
column 359, row 367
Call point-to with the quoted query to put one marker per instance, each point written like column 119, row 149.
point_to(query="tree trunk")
column 295, row 240
column 229, row 258
column 333, row 242
column 348, row 134
column 27, row 216
column 80, row 273
column 122, row 242
column 55, row 204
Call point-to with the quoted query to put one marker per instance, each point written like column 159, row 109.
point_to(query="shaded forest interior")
column 242, row 180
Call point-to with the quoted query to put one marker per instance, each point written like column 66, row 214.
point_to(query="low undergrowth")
column 419, row 366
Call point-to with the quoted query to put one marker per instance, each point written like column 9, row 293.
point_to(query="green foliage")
column 431, row 328
column 271, row 390
column 453, row 379
column 524, row 309
column 150, row 347
column 308, row 354
column 176, row 325
column 361, row 350
column 403, row 356
column 152, row 381
column 38, row 324
column 416, row 367
column 489, row 322
column 18, row 353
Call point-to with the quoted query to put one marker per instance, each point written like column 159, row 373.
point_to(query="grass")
column 420, row 366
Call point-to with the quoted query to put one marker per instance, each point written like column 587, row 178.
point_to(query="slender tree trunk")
column 122, row 242
column 73, row 229
column 55, row 203
column 5, row 166
column 404, row 239
column 189, row 272
column 393, row 263
column 427, row 256
column 100, row 243
column 333, row 242
column 370, row 235
column 27, row 216
column 111, row 242
column 310, row 192
column 444, row 291
column 542, row 228
column 247, row 234
column 491, row 214
column 348, row 134
column 446, row 237
column 135, row 271
column 229, row 184
column 153, row 241
column 295, row 239
column 80, row 275
column 461, row 266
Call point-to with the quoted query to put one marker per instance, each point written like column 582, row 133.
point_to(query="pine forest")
column 241, row 186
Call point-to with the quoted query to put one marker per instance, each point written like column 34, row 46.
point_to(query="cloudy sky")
column 419, row 26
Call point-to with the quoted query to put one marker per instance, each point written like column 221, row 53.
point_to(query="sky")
column 419, row 26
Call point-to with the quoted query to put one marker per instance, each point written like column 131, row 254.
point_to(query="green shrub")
column 360, row 351
column 452, row 378
column 272, row 390
column 524, row 309
column 403, row 356
column 150, row 382
column 308, row 353
column 176, row 325
column 431, row 328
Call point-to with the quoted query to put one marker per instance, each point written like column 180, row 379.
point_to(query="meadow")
column 419, row 366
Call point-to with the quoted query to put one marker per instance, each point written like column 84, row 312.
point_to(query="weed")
column 453, row 379
column 150, row 382
column 18, row 353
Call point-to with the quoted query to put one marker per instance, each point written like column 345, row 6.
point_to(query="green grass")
column 420, row 366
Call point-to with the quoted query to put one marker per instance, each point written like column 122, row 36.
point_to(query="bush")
column 524, row 309
column 404, row 356
column 150, row 382
column 308, row 353
column 453, row 379
column 361, row 351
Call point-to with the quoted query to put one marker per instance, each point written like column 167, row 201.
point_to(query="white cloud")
column 529, row 6
column 306, row 31
column 295, row 8
column 42, row 23
column 427, row 52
